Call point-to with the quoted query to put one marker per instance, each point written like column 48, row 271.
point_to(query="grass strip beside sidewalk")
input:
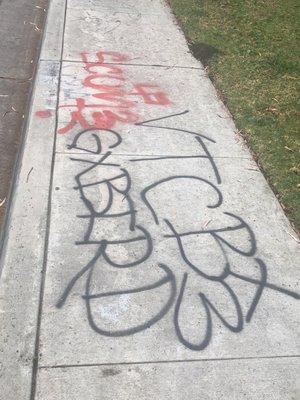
column 251, row 52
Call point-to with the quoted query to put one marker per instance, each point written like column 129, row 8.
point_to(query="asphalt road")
column 21, row 28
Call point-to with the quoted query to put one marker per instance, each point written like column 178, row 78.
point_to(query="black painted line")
column 35, row 363
column 167, row 361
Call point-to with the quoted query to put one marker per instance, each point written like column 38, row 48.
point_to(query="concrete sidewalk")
column 146, row 256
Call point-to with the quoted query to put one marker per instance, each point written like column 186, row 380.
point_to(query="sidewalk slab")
column 142, row 7
column 273, row 330
column 214, row 380
column 203, row 114
column 122, row 31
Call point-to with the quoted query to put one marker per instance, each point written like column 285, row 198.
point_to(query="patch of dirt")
column 203, row 52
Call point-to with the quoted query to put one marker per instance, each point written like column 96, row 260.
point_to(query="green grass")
column 250, row 48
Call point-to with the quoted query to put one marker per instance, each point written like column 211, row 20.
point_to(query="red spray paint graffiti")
column 117, row 98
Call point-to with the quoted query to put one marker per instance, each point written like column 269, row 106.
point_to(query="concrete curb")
column 23, row 243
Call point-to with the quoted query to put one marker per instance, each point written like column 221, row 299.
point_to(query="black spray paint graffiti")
column 117, row 185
